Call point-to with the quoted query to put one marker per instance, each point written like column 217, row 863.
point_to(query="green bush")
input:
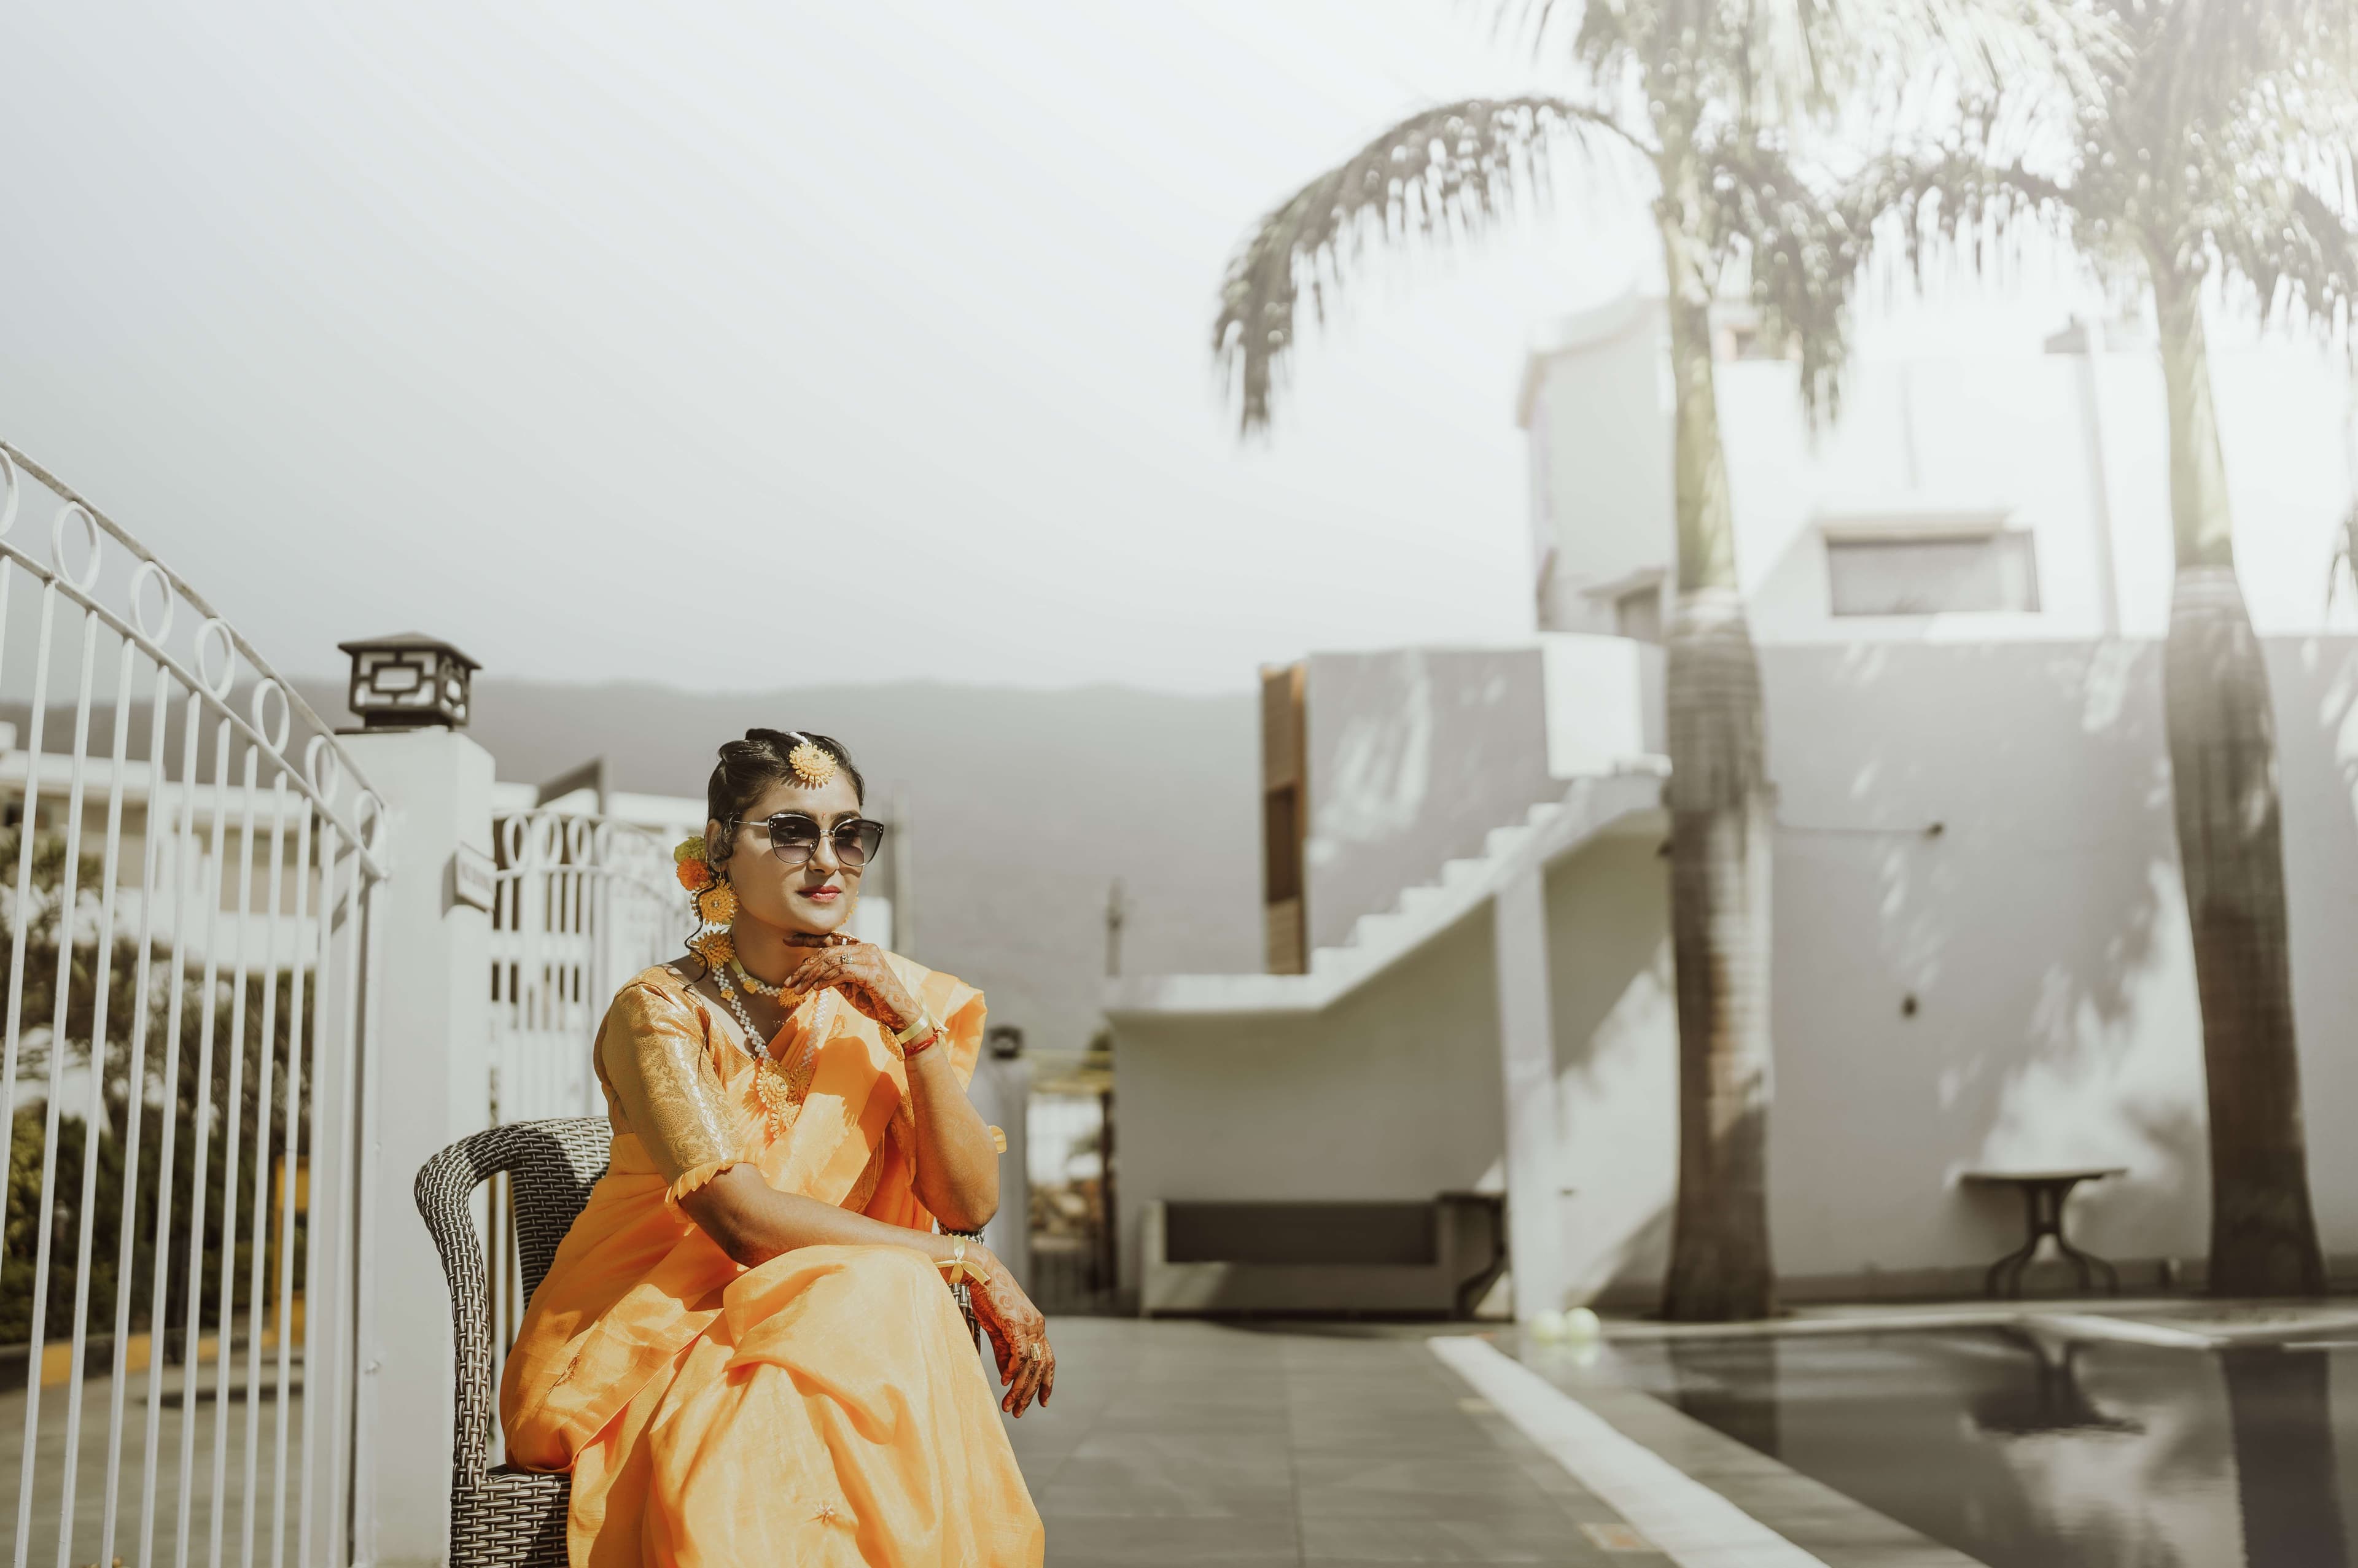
column 155, row 1099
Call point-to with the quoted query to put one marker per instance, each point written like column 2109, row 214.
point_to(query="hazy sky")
column 738, row 346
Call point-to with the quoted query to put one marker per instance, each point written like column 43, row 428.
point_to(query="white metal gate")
column 579, row 905
column 192, row 860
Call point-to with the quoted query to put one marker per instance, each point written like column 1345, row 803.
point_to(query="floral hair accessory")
column 813, row 764
column 715, row 900
column 689, row 865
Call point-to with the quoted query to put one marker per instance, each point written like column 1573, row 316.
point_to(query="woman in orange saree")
column 746, row 1349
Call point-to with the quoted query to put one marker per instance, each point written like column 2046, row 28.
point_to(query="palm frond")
column 2267, row 196
column 2199, row 50
column 1453, row 171
column 1604, row 36
column 1798, row 249
column 1781, row 64
column 2299, row 254
column 1959, row 200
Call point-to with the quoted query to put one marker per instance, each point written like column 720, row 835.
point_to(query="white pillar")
column 428, row 1084
column 1527, row 1063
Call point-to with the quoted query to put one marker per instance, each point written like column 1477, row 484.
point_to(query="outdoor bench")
column 1430, row 1258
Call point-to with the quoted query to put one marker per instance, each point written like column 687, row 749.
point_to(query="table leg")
column 2082, row 1261
column 2016, row 1261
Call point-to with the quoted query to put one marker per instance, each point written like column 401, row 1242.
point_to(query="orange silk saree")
column 826, row 1409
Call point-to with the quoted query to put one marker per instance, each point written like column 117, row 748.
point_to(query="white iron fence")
column 190, row 861
column 579, row 905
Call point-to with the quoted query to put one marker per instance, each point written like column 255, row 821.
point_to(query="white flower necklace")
column 753, row 1043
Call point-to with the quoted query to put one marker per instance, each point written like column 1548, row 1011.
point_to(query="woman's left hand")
column 859, row 969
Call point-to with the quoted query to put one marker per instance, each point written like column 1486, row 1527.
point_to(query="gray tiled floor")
column 1195, row 1443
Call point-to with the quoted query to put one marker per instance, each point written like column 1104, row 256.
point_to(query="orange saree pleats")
column 835, row 1417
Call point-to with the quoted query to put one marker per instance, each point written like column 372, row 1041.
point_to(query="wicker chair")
column 501, row 1517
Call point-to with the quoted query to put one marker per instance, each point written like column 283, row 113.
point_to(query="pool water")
column 2030, row 1451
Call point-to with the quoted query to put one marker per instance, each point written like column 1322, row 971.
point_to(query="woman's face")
column 817, row 896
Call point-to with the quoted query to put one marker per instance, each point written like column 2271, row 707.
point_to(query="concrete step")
column 1455, row 874
column 1501, row 842
column 1371, row 930
column 1326, row 960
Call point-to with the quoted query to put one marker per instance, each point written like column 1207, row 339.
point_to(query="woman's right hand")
column 1018, row 1334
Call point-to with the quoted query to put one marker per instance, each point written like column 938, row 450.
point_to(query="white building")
column 1981, row 954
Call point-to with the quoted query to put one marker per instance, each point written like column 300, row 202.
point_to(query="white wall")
column 2015, row 989
column 1597, row 400
column 2041, row 933
column 1617, row 1058
column 1415, row 755
column 1394, row 1093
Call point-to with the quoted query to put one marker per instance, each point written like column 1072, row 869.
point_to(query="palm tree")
column 2199, row 153
column 1707, row 97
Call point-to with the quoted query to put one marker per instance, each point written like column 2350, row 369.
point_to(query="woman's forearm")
column 754, row 1222
column 957, row 1165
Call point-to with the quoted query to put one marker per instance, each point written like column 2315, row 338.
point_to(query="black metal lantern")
column 410, row 681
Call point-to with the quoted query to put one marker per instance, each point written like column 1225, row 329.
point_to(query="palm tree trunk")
column 1720, row 824
column 2223, row 767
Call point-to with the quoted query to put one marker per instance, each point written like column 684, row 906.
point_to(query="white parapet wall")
column 1415, row 755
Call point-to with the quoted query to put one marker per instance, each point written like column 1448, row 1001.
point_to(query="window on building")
column 1638, row 613
column 1993, row 570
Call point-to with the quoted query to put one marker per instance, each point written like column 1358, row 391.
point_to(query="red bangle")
column 927, row 1044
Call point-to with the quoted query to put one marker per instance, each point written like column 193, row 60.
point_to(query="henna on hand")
column 858, row 970
column 1018, row 1333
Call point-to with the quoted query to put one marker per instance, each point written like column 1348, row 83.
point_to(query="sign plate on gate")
column 471, row 877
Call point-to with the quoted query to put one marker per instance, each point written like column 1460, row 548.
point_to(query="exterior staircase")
column 1627, row 800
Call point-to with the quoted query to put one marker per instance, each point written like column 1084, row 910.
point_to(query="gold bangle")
column 924, row 1021
column 954, row 1266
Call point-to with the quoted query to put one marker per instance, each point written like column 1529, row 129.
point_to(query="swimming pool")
column 2031, row 1451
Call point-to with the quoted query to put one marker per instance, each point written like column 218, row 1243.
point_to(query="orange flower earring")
column 715, row 900
column 717, row 905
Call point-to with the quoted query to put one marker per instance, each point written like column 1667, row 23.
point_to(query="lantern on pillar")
column 410, row 681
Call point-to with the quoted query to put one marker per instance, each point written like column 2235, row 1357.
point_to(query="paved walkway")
column 1193, row 1442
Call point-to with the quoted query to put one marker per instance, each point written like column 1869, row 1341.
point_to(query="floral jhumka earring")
column 779, row 1090
column 715, row 900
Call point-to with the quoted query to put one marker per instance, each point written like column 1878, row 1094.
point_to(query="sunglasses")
column 794, row 836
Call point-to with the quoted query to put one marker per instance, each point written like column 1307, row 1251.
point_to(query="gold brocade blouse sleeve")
column 651, row 1052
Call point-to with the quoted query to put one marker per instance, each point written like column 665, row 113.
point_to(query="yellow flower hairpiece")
column 813, row 764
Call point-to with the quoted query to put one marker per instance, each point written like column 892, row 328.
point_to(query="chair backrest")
column 551, row 1166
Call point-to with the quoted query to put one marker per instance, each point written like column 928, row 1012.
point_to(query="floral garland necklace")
column 779, row 1088
column 760, row 987
column 753, row 1047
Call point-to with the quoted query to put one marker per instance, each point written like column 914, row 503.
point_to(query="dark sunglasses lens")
column 794, row 836
column 858, row 842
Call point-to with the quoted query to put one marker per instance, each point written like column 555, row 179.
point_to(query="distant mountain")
column 1025, row 807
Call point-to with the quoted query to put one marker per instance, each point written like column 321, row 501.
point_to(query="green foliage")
column 195, row 1097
